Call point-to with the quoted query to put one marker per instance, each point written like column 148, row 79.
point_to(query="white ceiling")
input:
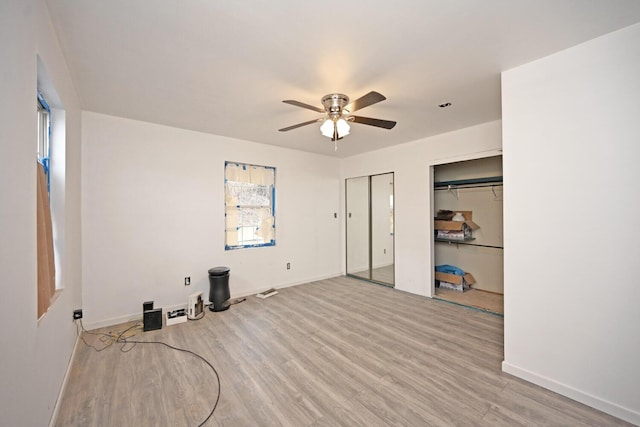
column 224, row 67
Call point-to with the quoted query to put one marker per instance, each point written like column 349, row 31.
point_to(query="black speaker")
column 152, row 319
column 219, row 288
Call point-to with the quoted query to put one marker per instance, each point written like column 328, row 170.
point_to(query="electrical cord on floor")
column 110, row 338
column 215, row 405
column 124, row 338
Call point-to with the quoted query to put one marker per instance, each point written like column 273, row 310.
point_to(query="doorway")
column 370, row 228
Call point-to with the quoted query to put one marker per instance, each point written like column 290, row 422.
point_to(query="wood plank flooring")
column 337, row 352
column 474, row 298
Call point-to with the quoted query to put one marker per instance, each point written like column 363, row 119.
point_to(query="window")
column 249, row 205
column 44, row 133
column 46, row 261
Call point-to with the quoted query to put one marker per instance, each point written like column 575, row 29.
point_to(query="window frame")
column 230, row 207
column 44, row 138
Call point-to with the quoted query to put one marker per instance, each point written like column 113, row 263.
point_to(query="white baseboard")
column 138, row 316
column 113, row 321
column 610, row 408
column 284, row 285
column 56, row 408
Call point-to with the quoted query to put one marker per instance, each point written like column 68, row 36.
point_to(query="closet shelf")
column 467, row 242
column 467, row 183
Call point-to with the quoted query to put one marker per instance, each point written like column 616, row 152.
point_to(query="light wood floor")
column 474, row 298
column 338, row 352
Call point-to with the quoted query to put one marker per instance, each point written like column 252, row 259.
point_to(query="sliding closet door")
column 382, row 268
column 358, row 260
column 369, row 204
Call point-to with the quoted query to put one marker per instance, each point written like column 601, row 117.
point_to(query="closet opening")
column 468, row 251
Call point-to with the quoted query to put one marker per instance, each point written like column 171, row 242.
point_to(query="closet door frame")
column 431, row 289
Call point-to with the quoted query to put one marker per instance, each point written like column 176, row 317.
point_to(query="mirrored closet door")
column 370, row 244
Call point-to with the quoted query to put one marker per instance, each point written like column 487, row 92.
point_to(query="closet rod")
column 449, row 187
column 495, row 180
column 463, row 242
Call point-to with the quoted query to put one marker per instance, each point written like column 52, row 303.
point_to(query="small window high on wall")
column 44, row 132
column 250, row 194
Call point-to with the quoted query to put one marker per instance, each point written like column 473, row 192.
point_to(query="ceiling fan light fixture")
column 343, row 127
column 330, row 127
column 327, row 128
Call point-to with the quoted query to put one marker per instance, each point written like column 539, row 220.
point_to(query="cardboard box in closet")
column 455, row 230
column 458, row 283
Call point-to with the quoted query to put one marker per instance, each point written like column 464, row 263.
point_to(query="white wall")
column 571, row 127
column 412, row 200
column 35, row 354
column 153, row 213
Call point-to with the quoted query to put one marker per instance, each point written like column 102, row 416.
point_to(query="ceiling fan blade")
column 300, row 125
column 364, row 101
column 387, row 124
column 303, row 105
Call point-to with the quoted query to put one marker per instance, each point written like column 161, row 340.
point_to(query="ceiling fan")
column 338, row 111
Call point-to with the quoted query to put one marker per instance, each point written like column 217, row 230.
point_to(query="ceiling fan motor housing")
column 334, row 103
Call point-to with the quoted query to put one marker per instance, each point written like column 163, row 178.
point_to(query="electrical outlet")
column 187, row 281
column 77, row 314
column 288, row 266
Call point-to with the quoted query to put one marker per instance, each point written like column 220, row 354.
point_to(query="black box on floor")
column 152, row 319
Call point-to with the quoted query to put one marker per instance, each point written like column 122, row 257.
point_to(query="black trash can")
column 219, row 288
